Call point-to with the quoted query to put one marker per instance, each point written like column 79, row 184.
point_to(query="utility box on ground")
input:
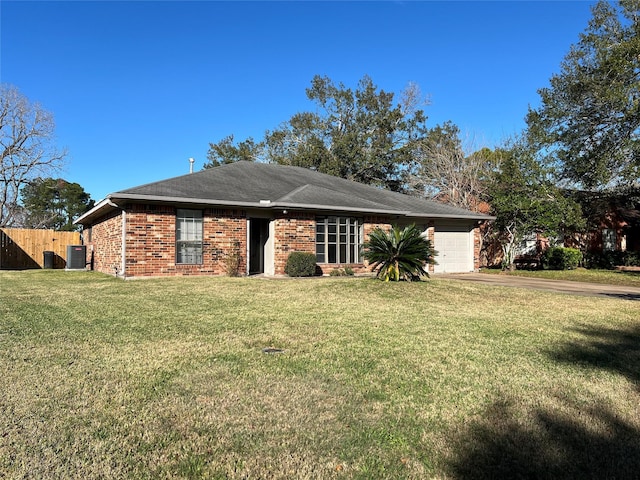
column 76, row 257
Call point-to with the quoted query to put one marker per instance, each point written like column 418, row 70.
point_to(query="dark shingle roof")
column 248, row 184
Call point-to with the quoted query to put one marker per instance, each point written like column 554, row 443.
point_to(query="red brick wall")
column 477, row 246
column 151, row 240
column 294, row 232
column 225, row 232
column 373, row 222
column 431, row 236
column 104, row 244
column 150, row 246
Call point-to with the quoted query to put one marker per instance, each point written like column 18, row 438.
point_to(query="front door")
column 258, row 237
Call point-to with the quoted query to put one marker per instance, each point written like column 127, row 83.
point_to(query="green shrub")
column 611, row 259
column 604, row 260
column 301, row 264
column 631, row 259
column 560, row 258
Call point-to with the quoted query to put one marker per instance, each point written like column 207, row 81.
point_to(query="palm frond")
column 399, row 254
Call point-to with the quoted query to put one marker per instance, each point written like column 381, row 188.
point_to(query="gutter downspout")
column 124, row 244
column 123, row 247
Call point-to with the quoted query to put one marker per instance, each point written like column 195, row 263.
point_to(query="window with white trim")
column 189, row 236
column 338, row 239
column 608, row 239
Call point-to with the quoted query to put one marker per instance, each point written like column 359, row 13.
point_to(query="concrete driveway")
column 560, row 286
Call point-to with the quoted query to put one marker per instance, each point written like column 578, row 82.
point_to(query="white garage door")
column 454, row 244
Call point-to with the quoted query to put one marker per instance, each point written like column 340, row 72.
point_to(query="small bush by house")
column 612, row 259
column 301, row 264
column 341, row 272
column 560, row 258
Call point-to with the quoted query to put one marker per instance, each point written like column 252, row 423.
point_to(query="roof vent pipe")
column 191, row 160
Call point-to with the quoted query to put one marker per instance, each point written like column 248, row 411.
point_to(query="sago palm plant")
column 399, row 254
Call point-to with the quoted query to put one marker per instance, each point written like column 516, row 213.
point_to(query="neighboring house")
column 613, row 221
column 188, row 224
column 612, row 227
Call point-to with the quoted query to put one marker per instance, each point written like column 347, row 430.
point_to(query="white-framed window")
column 608, row 239
column 189, row 236
column 338, row 239
column 528, row 246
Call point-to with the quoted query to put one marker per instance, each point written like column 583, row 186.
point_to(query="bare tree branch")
column 27, row 148
column 451, row 170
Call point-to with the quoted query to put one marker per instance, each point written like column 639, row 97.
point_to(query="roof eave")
column 105, row 204
column 336, row 208
column 472, row 216
column 113, row 198
column 110, row 202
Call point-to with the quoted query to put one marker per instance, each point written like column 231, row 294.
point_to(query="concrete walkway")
column 560, row 286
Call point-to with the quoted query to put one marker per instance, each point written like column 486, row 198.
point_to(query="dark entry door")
column 258, row 236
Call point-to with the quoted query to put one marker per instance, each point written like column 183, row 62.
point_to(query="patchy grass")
column 167, row 378
column 609, row 277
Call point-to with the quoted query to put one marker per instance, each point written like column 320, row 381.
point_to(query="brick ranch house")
column 612, row 232
column 188, row 224
column 613, row 221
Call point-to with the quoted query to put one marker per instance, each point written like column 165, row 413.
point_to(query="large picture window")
column 338, row 239
column 189, row 236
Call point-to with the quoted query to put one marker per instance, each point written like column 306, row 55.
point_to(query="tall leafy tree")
column 364, row 134
column 525, row 199
column 588, row 123
column 54, row 203
column 27, row 148
column 228, row 151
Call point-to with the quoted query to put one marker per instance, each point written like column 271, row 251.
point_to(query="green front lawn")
column 166, row 378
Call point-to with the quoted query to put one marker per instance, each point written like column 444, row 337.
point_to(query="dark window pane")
column 343, row 254
column 332, row 254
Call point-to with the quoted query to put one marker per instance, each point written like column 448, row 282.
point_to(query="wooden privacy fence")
column 22, row 248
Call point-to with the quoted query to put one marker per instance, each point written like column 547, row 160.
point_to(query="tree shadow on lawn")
column 560, row 438
column 604, row 348
column 624, row 296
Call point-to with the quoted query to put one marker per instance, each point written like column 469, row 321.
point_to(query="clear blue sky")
column 138, row 87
